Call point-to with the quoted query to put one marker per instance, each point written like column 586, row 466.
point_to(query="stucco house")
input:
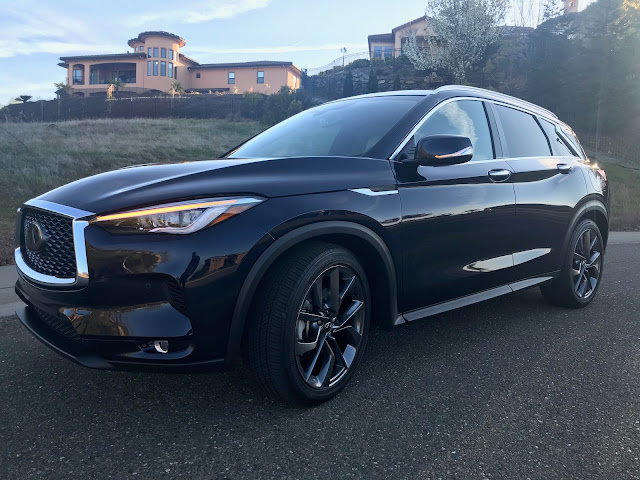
column 155, row 63
column 389, row 45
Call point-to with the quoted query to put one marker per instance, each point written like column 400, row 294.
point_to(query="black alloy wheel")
column 309, row 323
column 329, row 327
column 581, row 273
column 587, row 263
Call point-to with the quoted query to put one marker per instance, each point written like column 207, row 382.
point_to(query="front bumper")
column 146, row 288
column 106, row 354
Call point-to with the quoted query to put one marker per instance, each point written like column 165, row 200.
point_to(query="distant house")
column 156, row 63
column 389, row 45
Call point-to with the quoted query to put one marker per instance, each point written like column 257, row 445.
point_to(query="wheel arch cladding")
column 591, row 209
column 364, row 243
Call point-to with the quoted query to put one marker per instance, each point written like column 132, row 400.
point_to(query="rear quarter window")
column 523, row 135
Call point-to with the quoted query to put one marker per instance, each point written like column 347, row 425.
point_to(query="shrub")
column 360, row 63
column 347, row 91
column 372, row 84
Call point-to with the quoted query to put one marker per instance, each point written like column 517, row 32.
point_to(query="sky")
column 35, row 33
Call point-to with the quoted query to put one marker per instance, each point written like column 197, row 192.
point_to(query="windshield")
column 345, row 128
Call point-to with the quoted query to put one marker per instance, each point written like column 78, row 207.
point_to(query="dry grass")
column 624, row 181
column 36, row 157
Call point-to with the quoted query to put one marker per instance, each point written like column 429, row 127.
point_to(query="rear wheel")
column 581, row 272
column 309, row 325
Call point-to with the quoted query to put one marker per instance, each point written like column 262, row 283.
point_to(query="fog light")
column 161, row 346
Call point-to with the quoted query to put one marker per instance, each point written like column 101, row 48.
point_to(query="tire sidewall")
column 328, row 259
column 567, row 268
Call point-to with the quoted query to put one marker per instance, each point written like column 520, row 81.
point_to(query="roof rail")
column 499, row 96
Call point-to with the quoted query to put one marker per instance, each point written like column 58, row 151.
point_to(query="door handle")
column 564, row 168
column 499, row 175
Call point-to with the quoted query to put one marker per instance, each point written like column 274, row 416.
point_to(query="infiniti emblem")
column 35, row 239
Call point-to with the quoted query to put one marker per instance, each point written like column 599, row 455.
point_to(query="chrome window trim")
column 551, row 119
column 80, row 249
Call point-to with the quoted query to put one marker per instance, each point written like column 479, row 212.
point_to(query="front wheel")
column 308, row 327
column 581, row 273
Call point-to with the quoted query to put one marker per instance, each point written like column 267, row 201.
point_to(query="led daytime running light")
column 165, row 209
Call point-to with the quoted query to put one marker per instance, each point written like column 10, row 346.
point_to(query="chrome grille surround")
column 78, row 224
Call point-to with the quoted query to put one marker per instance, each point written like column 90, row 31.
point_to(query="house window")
column 260, row 77
column 155, row 68
column 175, row 73
column 149, row 52
column 93, row 76
column 232, row 78
column 388, row 52
column 170, row 54
column 163, row 52
column 170, row 74
column 377, row 52
column 77, row 77
column 197, row 75
column 142, row 48
column 149, row 68
column 155, row 52
column 163, row 69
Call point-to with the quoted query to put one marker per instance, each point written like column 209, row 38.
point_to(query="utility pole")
column 343, row 51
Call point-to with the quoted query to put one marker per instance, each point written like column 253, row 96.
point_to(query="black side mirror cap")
column 441, row 150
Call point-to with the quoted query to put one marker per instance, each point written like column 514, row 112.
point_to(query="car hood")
column 267, row 177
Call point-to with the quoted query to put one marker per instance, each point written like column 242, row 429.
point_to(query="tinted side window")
column 524, row 137
column 558, row 147
column 464, row 117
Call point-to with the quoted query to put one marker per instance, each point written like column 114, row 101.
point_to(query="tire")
column 582, row 269
column 296, row 346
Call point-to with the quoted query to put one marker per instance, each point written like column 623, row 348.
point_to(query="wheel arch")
column 592, row 209
column 363, row 242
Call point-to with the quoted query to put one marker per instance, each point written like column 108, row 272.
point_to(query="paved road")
column 512, row 388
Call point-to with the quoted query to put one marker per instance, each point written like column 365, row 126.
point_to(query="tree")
column 347, row 91
column 372, row 84
column 461, row 31
column 176, row 88
column 552, row 9
column 23, row 98
column 396, row 82
column 63, row 87
column 117, row 84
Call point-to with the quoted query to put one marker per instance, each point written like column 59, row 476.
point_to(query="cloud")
column 200, row 11
column 33, row 28
column 58, row 47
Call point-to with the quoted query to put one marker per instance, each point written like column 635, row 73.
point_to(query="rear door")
column 458, row 220
column 548, row 185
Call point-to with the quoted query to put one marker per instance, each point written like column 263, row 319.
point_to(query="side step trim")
column 469, row 299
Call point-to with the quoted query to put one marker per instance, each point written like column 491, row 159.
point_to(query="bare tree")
column 458, row 34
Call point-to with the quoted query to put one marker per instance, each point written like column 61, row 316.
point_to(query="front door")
column 457, row 220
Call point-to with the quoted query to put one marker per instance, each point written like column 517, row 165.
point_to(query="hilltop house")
column 156, row 63
column 389, row 45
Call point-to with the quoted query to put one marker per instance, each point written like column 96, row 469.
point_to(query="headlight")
column 180, row 218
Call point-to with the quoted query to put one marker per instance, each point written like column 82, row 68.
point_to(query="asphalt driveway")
column 512, row 388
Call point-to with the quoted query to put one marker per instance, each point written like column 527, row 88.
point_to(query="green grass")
column 36, row 157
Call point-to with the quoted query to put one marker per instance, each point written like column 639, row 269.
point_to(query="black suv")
column 379, row 209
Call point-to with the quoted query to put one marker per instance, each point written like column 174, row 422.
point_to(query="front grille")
column 57, row 256
column 60, row 324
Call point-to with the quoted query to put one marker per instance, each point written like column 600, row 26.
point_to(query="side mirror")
column 441, row 150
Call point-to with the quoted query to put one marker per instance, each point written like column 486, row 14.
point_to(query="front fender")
column 282, row 245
